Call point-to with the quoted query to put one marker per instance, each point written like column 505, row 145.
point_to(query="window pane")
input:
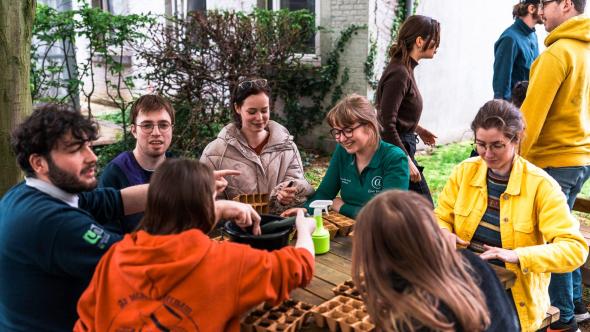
column 298, row 4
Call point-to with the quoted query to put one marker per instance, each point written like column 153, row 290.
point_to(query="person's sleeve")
column 78, row 245
column 566, row 248
column 547, row 74
column 330, row 185
column 350, row 210
column 504, row 57
column 446, row 201
column 504, row 317
column 295, row 173
column 270, row 276
column 113, row 177
column 394, row 90
column 104, row 204
column 396, row 173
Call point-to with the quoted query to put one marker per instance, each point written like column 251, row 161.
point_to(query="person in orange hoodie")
column 169, row 276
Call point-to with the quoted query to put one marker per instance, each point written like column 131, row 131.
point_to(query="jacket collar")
column 53, row 191
column 514, row 182
column 278, row 135
column 518, row 23
column 375, row 160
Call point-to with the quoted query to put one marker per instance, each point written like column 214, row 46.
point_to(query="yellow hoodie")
column 557, row 106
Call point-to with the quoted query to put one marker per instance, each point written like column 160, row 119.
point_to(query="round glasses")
column 347, row 132
column 495, row 147
column 148, row 127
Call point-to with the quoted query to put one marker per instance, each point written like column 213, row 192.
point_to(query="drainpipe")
column 409, row 8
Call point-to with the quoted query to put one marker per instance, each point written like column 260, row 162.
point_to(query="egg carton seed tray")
column 259, row 201
column 288, row 316
column 347, row 288
column 345, row 225
column 343, row 313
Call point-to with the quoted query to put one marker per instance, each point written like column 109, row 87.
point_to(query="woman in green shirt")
column 362, row 165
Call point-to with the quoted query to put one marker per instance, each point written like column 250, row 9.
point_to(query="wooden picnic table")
column 334, row 268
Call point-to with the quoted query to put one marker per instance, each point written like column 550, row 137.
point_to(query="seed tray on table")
column 258, row 201
column 343, row 313
column 347, row 288
column 289, row 316
column 345, row 225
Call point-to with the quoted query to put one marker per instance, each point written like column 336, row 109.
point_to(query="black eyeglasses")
column 260, row 83
column 545, row 2
column 148, row 127
column 347, row 132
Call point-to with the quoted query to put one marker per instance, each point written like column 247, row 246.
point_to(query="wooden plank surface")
column 582, row 204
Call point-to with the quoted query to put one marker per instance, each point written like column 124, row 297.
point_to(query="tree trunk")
column 16, row 24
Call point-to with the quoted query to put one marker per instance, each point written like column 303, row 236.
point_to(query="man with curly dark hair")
column 51, row 224
column 51, row 233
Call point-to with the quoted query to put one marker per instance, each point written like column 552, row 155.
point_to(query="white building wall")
column 238, row 5
column 458, row 81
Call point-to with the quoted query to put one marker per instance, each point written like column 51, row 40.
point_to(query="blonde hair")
column 407, row 273
column 353, row 109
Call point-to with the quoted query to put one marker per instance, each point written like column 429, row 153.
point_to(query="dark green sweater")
column 388, row 169
column 48, row 252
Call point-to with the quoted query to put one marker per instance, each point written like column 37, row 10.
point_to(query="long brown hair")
column 413, row 27
column 406, row 271
column 180, row 198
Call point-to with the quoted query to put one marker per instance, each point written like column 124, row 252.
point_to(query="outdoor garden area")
column 151, row 178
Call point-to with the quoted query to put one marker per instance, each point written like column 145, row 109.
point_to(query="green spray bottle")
column 321, row 236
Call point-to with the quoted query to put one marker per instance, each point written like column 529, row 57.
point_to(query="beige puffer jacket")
column 278, row 163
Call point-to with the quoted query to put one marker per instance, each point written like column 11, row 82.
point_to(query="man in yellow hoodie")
column 557, row 137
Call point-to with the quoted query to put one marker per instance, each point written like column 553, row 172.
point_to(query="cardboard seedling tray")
column 347, row 288
column 345, row 225
column 288, row 316
column 259, row 201
column 343, row 313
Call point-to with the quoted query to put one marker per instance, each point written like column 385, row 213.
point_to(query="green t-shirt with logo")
column 388, row 169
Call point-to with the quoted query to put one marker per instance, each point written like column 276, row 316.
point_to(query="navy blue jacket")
column 514, row 53
column 48, row 252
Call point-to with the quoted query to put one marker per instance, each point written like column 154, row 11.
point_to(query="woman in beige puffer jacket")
column 261, row 149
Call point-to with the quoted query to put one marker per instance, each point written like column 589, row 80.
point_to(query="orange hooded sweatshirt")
column 186, row 282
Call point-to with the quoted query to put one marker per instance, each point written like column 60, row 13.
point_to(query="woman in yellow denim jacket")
column 536, row 233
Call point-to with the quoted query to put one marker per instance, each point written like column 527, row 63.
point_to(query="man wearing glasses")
column 516, row 49
column 557, row 115
column 152, row 119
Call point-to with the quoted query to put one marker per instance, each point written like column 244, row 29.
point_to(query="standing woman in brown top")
column 398, row 99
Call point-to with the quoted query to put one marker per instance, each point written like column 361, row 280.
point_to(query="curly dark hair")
column 40, row 132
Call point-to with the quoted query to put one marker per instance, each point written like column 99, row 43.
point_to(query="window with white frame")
column 312, row 5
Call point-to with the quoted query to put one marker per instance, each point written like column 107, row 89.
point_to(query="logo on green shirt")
column 377, row 183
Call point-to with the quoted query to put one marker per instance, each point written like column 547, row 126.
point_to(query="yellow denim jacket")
column 535, row 222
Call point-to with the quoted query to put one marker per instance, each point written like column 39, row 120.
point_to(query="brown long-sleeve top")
column 398, row 101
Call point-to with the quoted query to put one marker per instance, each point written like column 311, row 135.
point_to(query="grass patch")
column 439, row 165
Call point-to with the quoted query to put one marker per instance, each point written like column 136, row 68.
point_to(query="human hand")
column 304, row 225
column 427, row 137
column 337, row 204
column 453, row 239
column 241, row 214
column 414, row 172
column 292, row 212
column 505, row 255
column 286, row 195
column 220, row 181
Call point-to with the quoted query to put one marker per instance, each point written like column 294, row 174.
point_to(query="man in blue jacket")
column 51, row 225
column 516, row 49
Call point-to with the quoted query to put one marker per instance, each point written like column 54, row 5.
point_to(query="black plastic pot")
column 268, row 242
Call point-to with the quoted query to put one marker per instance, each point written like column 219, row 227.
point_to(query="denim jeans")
column 566, row 288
